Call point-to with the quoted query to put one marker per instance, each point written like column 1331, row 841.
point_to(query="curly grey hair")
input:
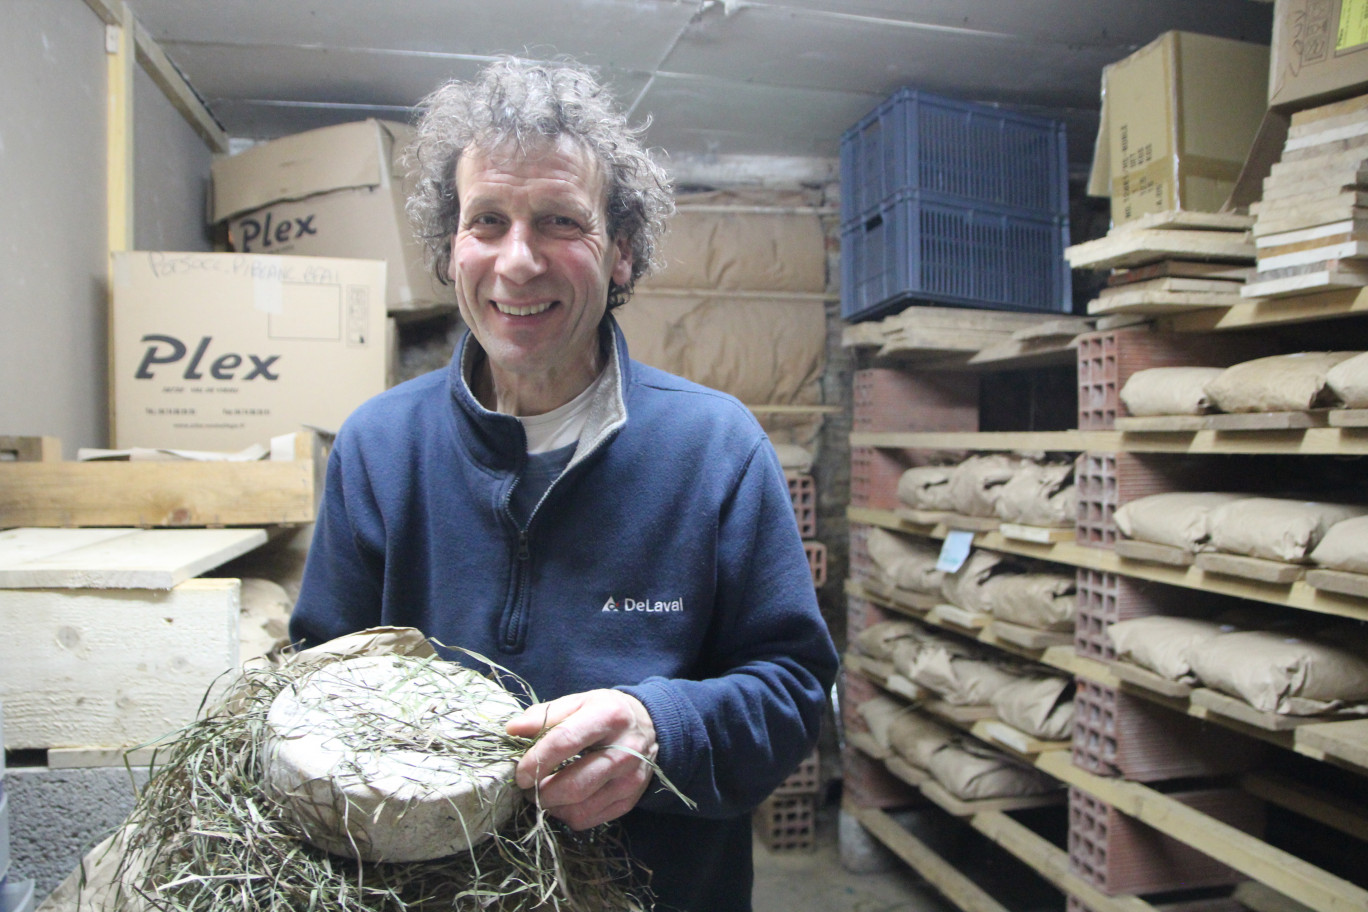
column 522, row 103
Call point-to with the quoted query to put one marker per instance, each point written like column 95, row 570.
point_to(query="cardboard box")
column 219, row 351
column 1319, row 53
column 332, row 192
column 1179, row 117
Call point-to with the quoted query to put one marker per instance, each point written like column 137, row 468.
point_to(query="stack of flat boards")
column 1169, row 262
column 1311, row 226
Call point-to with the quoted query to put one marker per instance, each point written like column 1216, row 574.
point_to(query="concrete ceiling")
column 717, row 78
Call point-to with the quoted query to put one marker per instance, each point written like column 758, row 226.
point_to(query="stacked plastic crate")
column 16, row 895
column 953, row 203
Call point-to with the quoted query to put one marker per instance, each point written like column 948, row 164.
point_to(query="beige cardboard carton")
column 332, row 192
column 1319, row 54
column 219, row 351
column 1180, row 115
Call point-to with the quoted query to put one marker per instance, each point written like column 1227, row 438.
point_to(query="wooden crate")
column 37, row 488
column 112, row 668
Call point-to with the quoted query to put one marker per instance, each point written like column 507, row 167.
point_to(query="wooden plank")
column 972, row 523
column 905, row 771
column 959, row 715
column 19, row 546
column 1340, row 581
column 1190, row 220
column 1161, row 302
column 1273, row 312
column 30, row 449
column 1344, row 250
column 946, row 878
column 1147, row 680
column 111, row 667
column 1247, row 854
column 1339, row 812
column 1041, row 534
column 960, row 807
column 1346, row 741
column 1136, row 248
column 1257, row 569
column 1160, row 423
column 1051, row 863
column 865, row 743
column 92, row 757
column 1349, row 418
column 129, row 559
column 1298, row 280
column 955, row 616
column 1030, row 637
column 922, row 517
column 1233, row 708
column 1257, row 897
column 159, row 493
column 1018, row 742
column 1131, row 549
column 1267, row 421
column 1179, row 269
column 1175, row 284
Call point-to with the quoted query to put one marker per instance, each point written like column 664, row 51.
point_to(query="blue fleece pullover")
column 665, row 561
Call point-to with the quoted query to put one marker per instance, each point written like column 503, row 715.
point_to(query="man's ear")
column 622, row 270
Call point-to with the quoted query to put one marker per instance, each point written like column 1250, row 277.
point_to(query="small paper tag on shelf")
column 955, row 550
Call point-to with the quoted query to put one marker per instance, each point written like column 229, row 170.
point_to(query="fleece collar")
column 498, row 440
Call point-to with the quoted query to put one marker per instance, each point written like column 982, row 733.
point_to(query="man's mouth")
column 522, row 310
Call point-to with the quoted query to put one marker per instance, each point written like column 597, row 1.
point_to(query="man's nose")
column 520, row 257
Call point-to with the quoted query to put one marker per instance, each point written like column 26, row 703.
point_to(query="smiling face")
column 531, row 261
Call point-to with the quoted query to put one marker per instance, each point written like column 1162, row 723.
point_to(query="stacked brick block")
column 1120, row 855
column 787, row 820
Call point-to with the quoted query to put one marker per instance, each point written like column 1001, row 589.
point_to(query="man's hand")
column 602, row 784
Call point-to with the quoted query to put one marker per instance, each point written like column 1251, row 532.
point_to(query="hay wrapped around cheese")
column 208, row 832
column 384, row 758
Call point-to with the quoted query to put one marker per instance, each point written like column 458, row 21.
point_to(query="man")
column 622, row 539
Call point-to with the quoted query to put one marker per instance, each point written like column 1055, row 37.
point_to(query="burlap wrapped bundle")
column 1042, row 706
column 903, row 562
column 1039, row 494
column 1348, row 381
column 1275, row 528
column 965, row 588
column 1168, row 391
column 1162, row 644
column 976, row 483
column 1044, row 601
column 878, row 640
column 1179, row 519
column 1278, row 383
column 1344, row 546
column 1276, row 673
column 926, row 488
column 971, row 772
column 914, row 737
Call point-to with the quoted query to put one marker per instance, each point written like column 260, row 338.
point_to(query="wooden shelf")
column 1315, row 441
column 1271, row 312
column 1286, row 873
column 1297, row 594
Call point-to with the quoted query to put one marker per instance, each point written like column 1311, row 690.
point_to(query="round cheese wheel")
column 360, row 754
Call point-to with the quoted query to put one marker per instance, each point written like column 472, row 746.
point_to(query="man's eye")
column 562, row 224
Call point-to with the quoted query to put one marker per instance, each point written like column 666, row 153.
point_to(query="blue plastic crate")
column 972, row 153
column 920, row 247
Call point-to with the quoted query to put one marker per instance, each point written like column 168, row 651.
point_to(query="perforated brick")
column 1103, row 599
column 886, row 399
column 805, row 780
column 1118, row 734
column 1120, row 855
column 861, row 566
column 861, row 614
column 866, row 782
column 787, row 823
column 803, row 491
column 817, row 562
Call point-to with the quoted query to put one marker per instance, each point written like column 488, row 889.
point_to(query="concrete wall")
column 53, row 306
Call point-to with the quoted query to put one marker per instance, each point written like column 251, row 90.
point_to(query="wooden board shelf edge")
column 1252, row 857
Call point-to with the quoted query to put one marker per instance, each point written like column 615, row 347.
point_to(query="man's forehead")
column 540, row 156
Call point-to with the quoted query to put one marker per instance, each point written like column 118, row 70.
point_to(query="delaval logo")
column 170, row 350
column 643, row 606
column 272, row 232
